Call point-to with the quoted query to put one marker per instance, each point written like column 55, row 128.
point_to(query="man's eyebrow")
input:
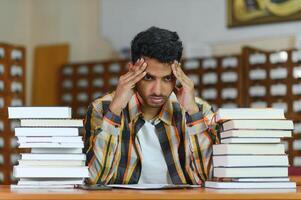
column 149, row 74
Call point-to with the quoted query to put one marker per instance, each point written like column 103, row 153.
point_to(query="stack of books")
column 56, row 159
column 251, row 154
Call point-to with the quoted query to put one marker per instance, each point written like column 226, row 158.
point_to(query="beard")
column 152, row 101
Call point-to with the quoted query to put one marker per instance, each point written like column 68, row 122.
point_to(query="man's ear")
column 130, row 66
column 176, row 89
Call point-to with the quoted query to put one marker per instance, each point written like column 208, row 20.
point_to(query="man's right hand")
column 126, row 84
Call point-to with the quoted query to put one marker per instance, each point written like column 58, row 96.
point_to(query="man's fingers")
column 133, row 71
column 181, row 76
column 138, row 78
column 133, row 74
column 138, row 64
column 130, row 66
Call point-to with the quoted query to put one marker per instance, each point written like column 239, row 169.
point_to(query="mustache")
column 158, row 96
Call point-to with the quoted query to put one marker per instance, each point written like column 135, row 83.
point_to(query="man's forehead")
column 158, row 69
column 155, row 72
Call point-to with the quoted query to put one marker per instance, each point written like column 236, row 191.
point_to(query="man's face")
column 157, row 85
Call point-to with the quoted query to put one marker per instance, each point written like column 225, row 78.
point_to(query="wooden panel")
column 47, row 61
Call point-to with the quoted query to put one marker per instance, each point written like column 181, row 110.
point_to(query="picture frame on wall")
column 254, row 12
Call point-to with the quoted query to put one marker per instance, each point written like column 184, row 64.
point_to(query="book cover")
column 39, row 112
column 224, row 114
column 49, row 131
column 52, row 122
column 252, row 149
column 250, row 172
column 258, row 124
column 250, row 160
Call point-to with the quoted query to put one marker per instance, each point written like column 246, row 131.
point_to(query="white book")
column 256, row 133
column 52, row 122
column 250, row 172
column 61, row 163
column 30, row 139
column 260, row 179
column 249, row 185
column 39, row 112
column 30, row 156
column 52, row 145
column 224, row 114
column 250, row 160
column 50, row 172
column 151, row 186
column 56, row 150
column 37, row 131
column 41, row 187
column 237, row 140
column 51, row 181
column 224, row 149
column 258, row 124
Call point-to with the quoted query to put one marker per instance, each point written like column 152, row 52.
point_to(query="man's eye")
column 168, row 78
column 148, row 77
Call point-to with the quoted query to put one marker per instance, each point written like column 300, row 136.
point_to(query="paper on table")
column 152, row 186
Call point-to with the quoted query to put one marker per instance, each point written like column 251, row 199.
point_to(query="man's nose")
column 157, row 88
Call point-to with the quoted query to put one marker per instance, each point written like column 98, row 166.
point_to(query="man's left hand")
column 185, row 94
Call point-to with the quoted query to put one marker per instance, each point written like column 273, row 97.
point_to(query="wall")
column 200, row 23
column 38, row 22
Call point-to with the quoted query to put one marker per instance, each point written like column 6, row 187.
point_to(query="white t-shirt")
column 154, row 169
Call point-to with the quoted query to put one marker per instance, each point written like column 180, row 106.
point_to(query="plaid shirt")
column 113, row 148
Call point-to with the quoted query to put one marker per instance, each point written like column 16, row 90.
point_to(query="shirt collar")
column 165, row 114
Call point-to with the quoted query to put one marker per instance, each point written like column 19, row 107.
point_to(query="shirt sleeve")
column 101, row 143
column 202, row 132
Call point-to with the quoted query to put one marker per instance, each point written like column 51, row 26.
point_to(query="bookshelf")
column 81, row 83
column 272, row 79
column 217, row 79
column 12, row 93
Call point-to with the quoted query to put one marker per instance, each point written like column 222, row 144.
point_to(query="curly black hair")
column 160, row 44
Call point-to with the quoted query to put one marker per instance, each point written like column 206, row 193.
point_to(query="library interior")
column 63, row 136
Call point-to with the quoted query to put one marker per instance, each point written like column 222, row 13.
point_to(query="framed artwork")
column 253, row 12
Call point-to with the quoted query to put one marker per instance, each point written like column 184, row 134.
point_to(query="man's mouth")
column 156, row 99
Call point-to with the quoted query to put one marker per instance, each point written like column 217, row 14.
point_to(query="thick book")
column 50, row 172
column 61, row 163
column 39, row 112
column 52, row 122
column 250, row 172
column 224, row 114
column 256, row 133
column 64, row 186
column 56, row 150
column 30, row 156
column 50, row 181
column 237, row 140
column 38, row 131
column 224, row 149
column 52, row 145
column 29, row 139
column 249, row 185
column 250, row 160
column 258, row 124
column 260, row 179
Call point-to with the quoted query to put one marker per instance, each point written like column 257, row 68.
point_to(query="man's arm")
column 103, row 123
column 101, row 143
column 202, row 131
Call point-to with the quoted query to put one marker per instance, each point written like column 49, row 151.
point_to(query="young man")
column 150, row 130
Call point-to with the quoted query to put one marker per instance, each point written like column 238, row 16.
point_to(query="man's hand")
column 185, row 94
column 126, row 84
